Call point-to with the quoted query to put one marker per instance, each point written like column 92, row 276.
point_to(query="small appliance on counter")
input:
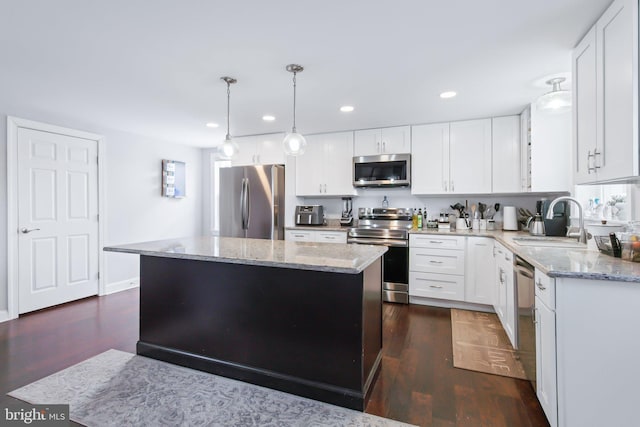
column 347, row 216
column 510, row 219
column 557, row 226
column 310, row 215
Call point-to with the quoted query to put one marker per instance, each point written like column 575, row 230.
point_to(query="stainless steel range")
column 388, row 227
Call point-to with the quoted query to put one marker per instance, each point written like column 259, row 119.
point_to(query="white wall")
column 135, row 209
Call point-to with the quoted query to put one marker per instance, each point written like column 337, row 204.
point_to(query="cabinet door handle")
column 378, row 143
column 535, row 316
column 298, row 235
column 435, row 286
column 452, row 189
column 325, row 188
column 435, row 262
column 444, row 185
column 320, row 189
column 439, row 242
column 384, row 147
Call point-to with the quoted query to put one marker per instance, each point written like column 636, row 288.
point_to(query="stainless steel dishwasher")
column 525, row 295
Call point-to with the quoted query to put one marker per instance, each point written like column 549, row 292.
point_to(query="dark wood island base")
column 316, row 334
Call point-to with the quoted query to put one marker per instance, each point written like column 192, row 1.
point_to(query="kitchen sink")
column 556, row 242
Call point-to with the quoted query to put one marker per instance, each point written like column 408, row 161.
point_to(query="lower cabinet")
column 479, row 271
column 546, row 380
column 322, row 236
column 436, row 266
column 504, row 291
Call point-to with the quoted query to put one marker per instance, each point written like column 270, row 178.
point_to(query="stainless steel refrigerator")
column 251, row 202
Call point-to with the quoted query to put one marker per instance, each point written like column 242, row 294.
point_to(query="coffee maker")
column 347, row 217
column 557, row 226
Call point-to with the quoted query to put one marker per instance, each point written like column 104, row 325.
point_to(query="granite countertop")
column 575, row 263
column 330, row 257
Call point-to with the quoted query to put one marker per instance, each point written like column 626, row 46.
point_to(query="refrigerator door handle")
column 247, row 203
column 243, row 201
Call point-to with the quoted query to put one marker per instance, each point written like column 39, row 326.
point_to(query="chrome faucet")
column 582, row 234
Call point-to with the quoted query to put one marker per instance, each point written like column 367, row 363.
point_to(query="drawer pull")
column 539, row 285
column 439, row 242
column 435, row 262
column 298, row 235
column 435, row 286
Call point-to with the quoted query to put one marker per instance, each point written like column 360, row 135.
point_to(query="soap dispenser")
column 385, row 202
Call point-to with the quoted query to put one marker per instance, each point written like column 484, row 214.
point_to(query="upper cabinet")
column 605, row 77
column 259, row 150
column 506, row 153
column 451, row 158
column 470, row 156
column 325, row 169
column 430, row 158
column 393, row 140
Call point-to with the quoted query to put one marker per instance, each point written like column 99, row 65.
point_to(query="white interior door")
column 57, row 219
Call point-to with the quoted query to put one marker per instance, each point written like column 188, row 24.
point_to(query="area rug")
column 480, row 344
column 121, row 389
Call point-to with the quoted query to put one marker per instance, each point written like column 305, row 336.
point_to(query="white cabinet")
column 325, row 169
column 584, row 107
column 605, row 67
column 470, row 156
column 525, row 150
column 319, row 236
column 452, row 158
column 504, row 296
column 393, row 140
column 545, row 321
column 430, row 158
column 480, row 270
column 259, row 150
column 506, row 154
column 550, row 151
column 436, row 266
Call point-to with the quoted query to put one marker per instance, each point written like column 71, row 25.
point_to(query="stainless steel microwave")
column 384, row 170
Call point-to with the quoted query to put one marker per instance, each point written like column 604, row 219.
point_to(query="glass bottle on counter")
column 414, row 219
column 419, row 219
column 385, row 202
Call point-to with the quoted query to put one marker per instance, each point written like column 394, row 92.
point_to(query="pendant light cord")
column 228, row 107
column 294, row 102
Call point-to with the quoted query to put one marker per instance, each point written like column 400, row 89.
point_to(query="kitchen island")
column 304, row 318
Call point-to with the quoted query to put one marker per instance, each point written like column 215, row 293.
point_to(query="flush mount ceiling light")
column 448, row 94
column 229, row 148
column 346, row 108
column 556, row 101
column 268, row 118
column 294, row 143
column 212, row 125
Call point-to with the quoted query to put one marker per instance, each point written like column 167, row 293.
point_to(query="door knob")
column 25, row 230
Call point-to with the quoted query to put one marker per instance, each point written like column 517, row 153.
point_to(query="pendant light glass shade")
column 229, row 148
column 556, row 101
column 294, row 143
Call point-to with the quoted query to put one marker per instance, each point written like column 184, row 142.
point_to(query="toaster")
column 310, row 215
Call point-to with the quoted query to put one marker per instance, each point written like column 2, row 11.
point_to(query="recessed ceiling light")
column 268, row 118
column 212, row 125
column 449, row 94
column 346, row 108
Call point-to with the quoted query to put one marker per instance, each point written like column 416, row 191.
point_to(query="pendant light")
column 556, row 101
column 229, row 148
column 294, row 143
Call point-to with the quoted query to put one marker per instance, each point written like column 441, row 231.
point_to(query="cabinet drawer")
column 299, row 236
column 431, row 285
column 545, row 287
column 331, row 236
column 436, row 241
column 436, row 261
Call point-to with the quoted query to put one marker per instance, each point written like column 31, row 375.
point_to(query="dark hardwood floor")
column 417, row 383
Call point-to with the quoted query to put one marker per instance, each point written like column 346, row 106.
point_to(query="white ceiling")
column 153, row 67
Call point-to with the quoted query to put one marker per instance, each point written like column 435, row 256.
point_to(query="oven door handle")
column 379, row 242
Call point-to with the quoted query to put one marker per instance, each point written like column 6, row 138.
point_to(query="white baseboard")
column 4, row 315
column 451, row 304
column 122, row 285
